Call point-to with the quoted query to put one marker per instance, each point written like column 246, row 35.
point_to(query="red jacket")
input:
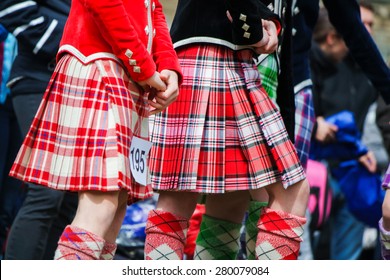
column 131, row 31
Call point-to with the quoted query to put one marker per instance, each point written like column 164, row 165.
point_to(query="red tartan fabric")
column 81, row 135
column 280, row 234
column 223, row 133
column 78, row 244
column 108, row 251
column 165, row 236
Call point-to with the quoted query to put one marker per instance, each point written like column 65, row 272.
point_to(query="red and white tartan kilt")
column 81, row 135
column 223, row 133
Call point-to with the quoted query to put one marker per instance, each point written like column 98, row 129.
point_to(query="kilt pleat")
column 81, row 135
column 223, row 133
column 304, row 123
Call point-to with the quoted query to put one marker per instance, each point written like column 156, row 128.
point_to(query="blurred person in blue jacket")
column 11, row 191
column 37, row 26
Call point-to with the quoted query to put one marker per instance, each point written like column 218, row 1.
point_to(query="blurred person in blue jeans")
column 37, row 26
column 11, row 191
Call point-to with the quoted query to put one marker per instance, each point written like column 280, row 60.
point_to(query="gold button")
column 242, row 17
column 129, row 53
column 245, row 27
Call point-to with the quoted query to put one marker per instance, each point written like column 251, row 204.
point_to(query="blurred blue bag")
column 362, row 191
column 348, row 145
column 131, row 237
column 132, row 233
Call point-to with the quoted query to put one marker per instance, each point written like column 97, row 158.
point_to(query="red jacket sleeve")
column 163, row 52
column 116, row 28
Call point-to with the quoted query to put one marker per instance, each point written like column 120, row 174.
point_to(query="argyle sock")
column 384, row 240
column 108, row 251
column 279, row 235
column 78, row 244
column 217, row 240
column 251, row 229
column 165, row 236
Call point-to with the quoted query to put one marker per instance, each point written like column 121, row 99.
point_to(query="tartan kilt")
column 304, row 123
column 223, row 133
column 268, row 68
column 80, row 137
column 304, row 108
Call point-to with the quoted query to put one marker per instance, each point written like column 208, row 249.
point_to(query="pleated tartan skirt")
column 81, row 135
column 304, row 123
column 223, row 133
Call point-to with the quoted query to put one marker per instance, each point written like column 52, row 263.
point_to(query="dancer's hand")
column 159, row 100
column 155, row 82
column 269, row 42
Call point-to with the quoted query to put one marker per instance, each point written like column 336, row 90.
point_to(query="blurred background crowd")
column 20, row 95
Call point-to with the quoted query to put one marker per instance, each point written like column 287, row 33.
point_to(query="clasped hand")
column 162, row 89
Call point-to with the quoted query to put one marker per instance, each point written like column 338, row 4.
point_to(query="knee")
column 294, row 199
column 300, row 198
column 296, row 193
column 101, row 207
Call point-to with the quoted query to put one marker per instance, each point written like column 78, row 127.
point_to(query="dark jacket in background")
column 345, row 16
column 37, row 26
column 338, row 87
column 205, row 21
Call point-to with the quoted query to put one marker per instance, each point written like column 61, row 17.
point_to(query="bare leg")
column 110, row 246
column 117, row 222
column 292, row 200
column 179, row 203
column 83, row 239
column 228, row 206
column 96, row 211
